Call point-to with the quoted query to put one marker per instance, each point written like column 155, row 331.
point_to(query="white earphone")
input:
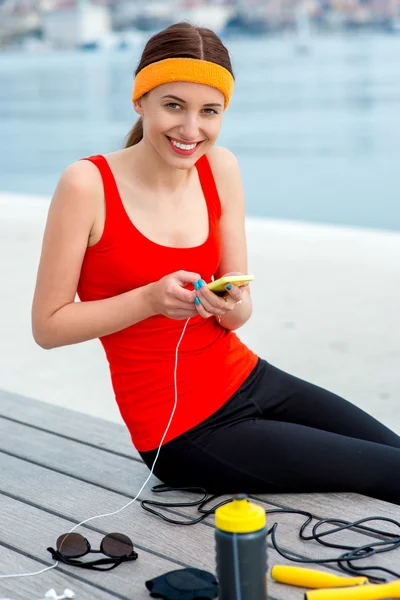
column 52, row 595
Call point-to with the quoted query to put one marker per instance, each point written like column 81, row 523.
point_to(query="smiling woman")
column 139, row 233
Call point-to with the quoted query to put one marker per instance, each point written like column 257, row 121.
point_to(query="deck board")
column 59, row 467
column 125, row 476
column 36, row 587
column 71, row 424
column 128, row 578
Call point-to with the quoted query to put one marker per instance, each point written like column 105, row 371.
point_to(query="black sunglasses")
column 117, row 546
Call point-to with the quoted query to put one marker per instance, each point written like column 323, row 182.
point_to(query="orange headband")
column 192, row 70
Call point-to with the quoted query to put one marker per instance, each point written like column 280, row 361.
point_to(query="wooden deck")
column 59, row 467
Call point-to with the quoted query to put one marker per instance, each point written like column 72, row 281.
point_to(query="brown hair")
column 181, row 40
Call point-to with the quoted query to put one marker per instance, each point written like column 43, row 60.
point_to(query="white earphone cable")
column 143, row 486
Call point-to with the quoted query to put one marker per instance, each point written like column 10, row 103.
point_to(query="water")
column 317, row 134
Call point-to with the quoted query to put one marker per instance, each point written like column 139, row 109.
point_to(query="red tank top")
column 212, row 362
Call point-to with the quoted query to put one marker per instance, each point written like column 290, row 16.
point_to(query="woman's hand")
column 213, row 305
column 169, row 297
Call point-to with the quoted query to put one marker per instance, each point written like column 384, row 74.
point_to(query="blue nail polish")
column 201, row 283
column 196, row 285
column 197, row 301
column 229, row 286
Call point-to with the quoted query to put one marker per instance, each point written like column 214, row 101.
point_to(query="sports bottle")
column 241, row 548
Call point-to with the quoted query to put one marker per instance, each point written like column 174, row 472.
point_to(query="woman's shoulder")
column 225, row 169
column 81, row 174
column 79, row 188
column 222, row 160
column 85, row 173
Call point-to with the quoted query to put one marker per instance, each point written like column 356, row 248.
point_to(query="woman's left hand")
column 211, row 304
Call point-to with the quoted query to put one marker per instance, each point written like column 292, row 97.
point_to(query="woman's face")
column 181, row 120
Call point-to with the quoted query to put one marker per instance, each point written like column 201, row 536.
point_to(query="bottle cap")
column 240, row 516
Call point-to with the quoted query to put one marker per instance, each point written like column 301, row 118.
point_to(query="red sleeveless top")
column 212, row 361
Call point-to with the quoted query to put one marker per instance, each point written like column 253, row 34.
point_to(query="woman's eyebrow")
column 210, row 104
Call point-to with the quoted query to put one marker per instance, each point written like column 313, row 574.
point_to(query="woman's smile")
column 183, row 148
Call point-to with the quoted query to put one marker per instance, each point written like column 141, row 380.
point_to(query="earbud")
column 52, row 595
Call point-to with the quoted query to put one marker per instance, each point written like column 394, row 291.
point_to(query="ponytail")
column 135, row 134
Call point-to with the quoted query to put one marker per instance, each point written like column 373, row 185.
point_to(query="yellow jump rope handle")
column 309, row 578
column 367, row 592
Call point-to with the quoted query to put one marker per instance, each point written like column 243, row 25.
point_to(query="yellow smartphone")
column 218, row 285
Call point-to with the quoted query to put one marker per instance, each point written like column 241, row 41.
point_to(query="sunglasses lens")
column 72, row 545
column 116, row 545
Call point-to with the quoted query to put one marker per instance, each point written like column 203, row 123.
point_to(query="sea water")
column 316, row 132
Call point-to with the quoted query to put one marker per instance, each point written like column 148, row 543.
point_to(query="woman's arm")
column 227, row 176
column 57, row 320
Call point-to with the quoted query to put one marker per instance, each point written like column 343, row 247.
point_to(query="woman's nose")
column 189, row 128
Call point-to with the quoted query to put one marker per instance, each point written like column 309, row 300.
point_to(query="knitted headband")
column 192, row 70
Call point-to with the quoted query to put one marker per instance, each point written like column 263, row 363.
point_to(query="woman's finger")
column 212, row 308
column 235, row 292
column 202, row 311
column 210, row 301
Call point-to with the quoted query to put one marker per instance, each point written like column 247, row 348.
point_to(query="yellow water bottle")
column 241, row 547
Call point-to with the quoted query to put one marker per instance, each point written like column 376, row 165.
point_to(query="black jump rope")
column 386, row 540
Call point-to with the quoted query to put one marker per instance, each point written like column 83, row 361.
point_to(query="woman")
column 137, row 233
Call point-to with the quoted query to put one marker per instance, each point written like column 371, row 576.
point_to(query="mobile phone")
column 218, row 285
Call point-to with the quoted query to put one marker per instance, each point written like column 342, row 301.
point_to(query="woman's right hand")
column 169, row 297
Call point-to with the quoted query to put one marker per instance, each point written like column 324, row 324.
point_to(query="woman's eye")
column 175, row 106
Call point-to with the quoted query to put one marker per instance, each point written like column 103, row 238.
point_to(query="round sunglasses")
column 117, row 546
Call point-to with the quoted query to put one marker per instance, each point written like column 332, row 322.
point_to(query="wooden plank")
column 157, row 532
column 80, row 461
column 188, row 546
column 76, row 458
column 31, row 530
column 179, row 545
column 115, row 438
column 35, row 587
column 313, row 503
column 289, row 525
column 354, row 506
column 67, row 423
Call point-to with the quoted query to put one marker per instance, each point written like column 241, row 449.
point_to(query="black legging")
column 278, row 434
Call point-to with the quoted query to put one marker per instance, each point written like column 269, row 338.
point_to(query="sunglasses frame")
column 114, row 561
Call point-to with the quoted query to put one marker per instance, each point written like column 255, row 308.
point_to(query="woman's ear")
column 137, row 106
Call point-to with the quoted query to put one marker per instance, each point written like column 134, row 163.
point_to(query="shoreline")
column 325, row 300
